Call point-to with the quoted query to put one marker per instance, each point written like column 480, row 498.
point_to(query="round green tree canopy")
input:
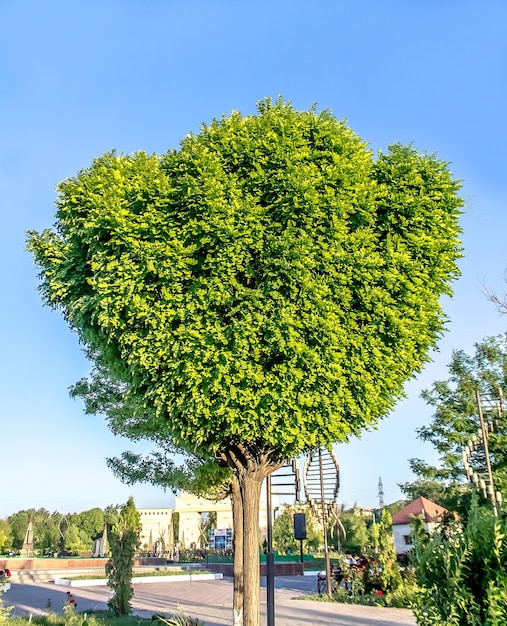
column 270, row 282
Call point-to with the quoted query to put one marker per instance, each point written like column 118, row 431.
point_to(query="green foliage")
column 45, row 528
column 456, row 419
column 463, row 572
column 5, row 536
column 4, row 610
column 207, row 478
column 283, row 530
column 180, row 619
column 103, row 394
column 90, row 522
column 389, row 574
column 76, row 540
column 432, row 490
column 263, row 290
column 79, row 529
column 268, row 272
column 343, row 596
column 403, row 597
column 358, row 536
column 394, row 507
column 123, row 542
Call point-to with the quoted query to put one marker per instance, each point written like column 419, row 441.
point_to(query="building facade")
column 432, row 513
column 158, row 524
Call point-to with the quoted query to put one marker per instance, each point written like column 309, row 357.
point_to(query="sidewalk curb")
column 98, row 582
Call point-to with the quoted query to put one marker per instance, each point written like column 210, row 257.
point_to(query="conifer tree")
column 123, row 543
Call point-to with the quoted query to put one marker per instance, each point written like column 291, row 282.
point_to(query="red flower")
column 378, row 592
column 7, row 572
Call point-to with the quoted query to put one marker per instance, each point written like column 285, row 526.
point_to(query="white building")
column 432, row 513
column 157, row 524
column 157, row 530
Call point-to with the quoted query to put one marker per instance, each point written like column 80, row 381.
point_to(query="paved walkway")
column 210, row 601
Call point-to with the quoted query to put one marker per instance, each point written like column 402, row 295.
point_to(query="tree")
column 265, row 289
column 5, row 536
column 432, row 490
column 45, row 528
column 91, row 522
column 75, row 539
column 283, row 530
column 456, row 420
column 357, row 535
column 389, row 572
column 112, row 514
column 123, row 542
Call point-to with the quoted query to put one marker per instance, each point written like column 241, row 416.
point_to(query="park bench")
column 336, row 579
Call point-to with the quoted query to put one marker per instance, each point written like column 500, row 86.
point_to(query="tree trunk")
column 250, row 466
column 250, row 485
column 237, row 518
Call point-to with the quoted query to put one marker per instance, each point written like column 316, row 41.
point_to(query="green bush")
column 462, row 572
column 4, row 610
column 180, row 619
column 403, row 597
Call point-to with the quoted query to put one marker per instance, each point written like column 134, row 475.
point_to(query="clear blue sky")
column 82, row 78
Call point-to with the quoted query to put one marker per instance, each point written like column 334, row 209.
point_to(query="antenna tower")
column 380, row 493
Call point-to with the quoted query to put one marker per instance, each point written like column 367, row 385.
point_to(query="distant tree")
column 456, row 420
column 18, row 523
column 44, row 528
column 357, row 537
column 176, row 525
column 432, row 490
column 207, row 524
column 265, row 289
column 51, row 537
column 283, row 530
column 393, row 508
column 5, row 536
column 123, row 543
column 112, row 514
column 76, row 540
column 389, row 573
column 91, row 522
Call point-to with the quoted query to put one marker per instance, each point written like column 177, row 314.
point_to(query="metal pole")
column 324, row 526
column 486, row 453
column 270, row 559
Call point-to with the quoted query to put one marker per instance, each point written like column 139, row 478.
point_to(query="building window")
column 407, row 540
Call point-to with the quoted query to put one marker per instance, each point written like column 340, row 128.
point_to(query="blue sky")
column 79, row 79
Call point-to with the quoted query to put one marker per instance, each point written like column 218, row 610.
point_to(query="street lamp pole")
column 270, row 559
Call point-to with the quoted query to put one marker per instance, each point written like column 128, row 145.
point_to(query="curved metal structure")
column 321, row 480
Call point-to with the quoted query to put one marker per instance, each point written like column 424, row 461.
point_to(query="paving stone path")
column 211, row 602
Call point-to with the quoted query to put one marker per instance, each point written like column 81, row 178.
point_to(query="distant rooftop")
column 421, row 506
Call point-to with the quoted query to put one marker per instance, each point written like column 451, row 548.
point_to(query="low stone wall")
column 281, row 569
column 69, row 563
